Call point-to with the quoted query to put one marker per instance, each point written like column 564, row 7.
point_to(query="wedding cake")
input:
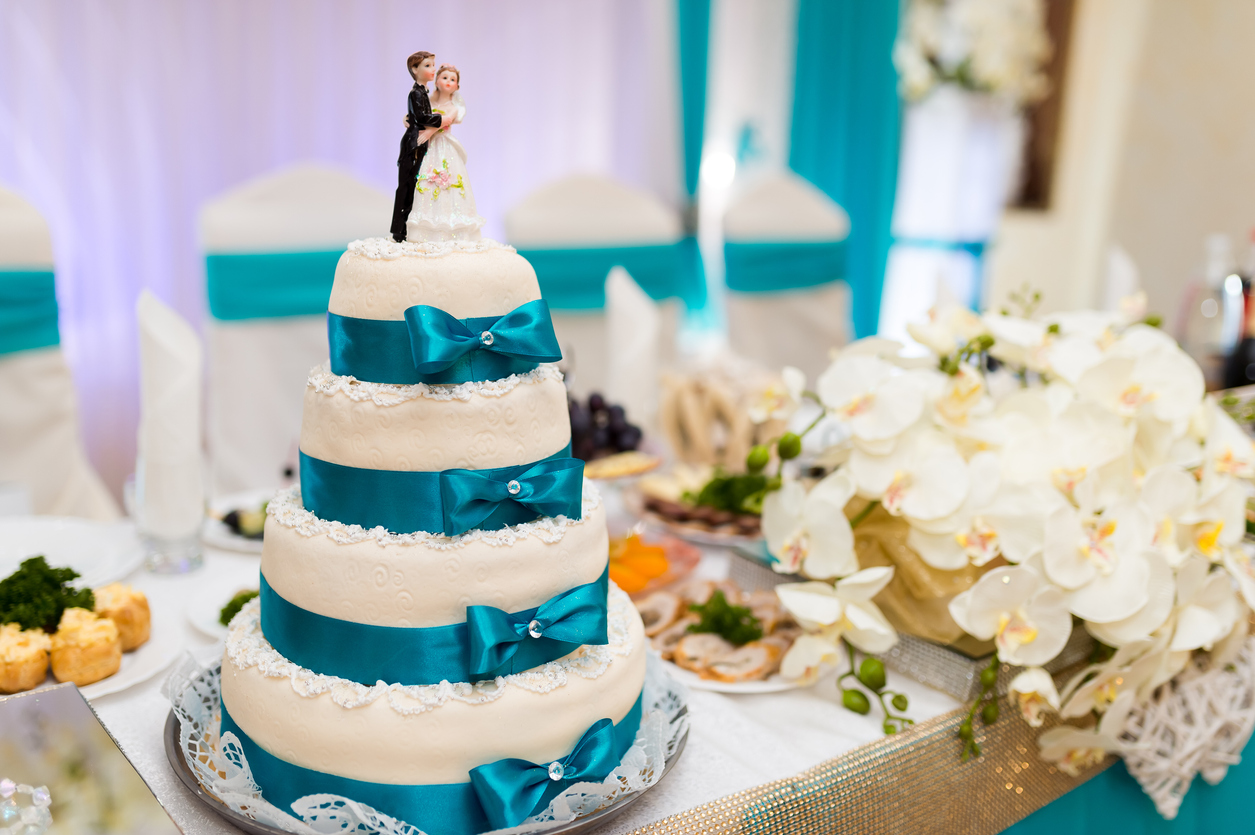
column 436, row 636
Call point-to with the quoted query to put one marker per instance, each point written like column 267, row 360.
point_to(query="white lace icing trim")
column 386, row 249
column 248, row 648
column 222, row 769
column 323, row 381
column 286, row 509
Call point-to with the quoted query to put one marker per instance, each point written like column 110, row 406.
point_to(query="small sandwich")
column 128, row 609
column 85, row 648
column 23, row 658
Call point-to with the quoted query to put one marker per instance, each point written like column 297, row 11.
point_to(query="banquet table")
column 736, row 742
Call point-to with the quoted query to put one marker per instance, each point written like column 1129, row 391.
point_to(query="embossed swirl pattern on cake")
column 286, row 509
column 413, row 586
column 464, row 284
column 247, row 648
column 525, row 424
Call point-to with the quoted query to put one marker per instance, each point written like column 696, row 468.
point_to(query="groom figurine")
column 422, row 68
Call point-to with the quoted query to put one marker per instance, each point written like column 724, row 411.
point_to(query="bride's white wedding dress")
column 444, row 205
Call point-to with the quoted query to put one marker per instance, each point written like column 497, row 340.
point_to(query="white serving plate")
column 101, row 552
column 775, row 683
column 215, row 534
column 158, row 652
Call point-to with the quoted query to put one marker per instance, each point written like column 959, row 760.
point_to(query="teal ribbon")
column 430, row 346
column 28, row 310
column 512, row 790
column 449, row 502
column 490, row 643
column 265, row 285
column 501, row 641
column 575, row 279
column 773, row 266
column 439, row 809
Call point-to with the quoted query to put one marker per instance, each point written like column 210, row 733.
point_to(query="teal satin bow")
column 574, row 617
column 511, row 790
column 430, row 346
column 548, row 488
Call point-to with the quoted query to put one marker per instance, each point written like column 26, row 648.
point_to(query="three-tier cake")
column 436, row 635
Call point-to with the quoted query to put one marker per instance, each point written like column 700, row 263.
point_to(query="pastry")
column 85, row 648
column 23, row 658
column 128, row 609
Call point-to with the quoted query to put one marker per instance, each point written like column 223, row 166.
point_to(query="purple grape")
column 596, row 402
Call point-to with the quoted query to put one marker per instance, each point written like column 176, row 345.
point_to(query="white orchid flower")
column 780, row 399
column 948, row 328
column 1100, row 558
column 1227, row 450
column 1025, row 617
column 1207, row 606
column 872, row 396
column 1097, row 687
column 1218, row 522
column 1017, row 342
column 923, row 478
column 1238, row 562
column 810, row 654
column 1163, row 381
column 1034, row 691
column 809, row 532
column 1161, row 591
column 1073, row 749
column 818, row 607
column 1168, row 492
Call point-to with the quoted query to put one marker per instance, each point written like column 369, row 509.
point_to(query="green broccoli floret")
column 234, row 606
column 735, row 624
column 36, row 594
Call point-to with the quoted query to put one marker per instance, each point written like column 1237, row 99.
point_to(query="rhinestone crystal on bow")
column 486, row 338
column 535, row 629
column 514, row 487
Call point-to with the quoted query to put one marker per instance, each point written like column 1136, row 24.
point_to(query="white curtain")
column 119, row 119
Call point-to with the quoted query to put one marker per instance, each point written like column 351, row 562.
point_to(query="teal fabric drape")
column 769, row 267
column 28, row 310
column 693, row 19
column 575, row 279
column 266, row 285
column 846, row 116
column 1114, row 802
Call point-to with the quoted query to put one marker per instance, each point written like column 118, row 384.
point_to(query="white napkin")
column 169, row 472
column 633, row 326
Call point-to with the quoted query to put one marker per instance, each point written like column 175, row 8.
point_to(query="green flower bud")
column 758, row 458
column 900, row 702
column 789, row 446
column 872, row 673
column 965, row 731
column 984, row 342
column 855, row 700
column 990, row 713
column 988, row 677
column 889, row 727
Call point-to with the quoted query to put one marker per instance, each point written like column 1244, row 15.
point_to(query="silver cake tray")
column 585, row 824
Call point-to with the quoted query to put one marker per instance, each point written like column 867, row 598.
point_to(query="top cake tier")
column 380, row 279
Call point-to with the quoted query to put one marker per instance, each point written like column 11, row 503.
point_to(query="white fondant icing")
column 414, row 584
column 519, row 426
column 432, row 734
column 463, row 282
column 388, row 394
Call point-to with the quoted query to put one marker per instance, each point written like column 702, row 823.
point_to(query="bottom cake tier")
column 451, row 759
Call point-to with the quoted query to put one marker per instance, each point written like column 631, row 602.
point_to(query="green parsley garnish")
column 36, row 594
column 234, row 606
column 735, row 624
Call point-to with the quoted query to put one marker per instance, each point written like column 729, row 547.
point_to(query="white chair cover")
column 41, row 450
column 792, row 326
column 584, row 212
column 258, row 367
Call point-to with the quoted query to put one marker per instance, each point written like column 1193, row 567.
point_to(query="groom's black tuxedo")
column 411, row 157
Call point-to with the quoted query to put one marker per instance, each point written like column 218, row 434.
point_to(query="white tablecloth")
column 736, row 742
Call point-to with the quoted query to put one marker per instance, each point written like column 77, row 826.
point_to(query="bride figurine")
column 444, row 206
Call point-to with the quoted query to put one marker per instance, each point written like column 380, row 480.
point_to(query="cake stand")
column 247, row 824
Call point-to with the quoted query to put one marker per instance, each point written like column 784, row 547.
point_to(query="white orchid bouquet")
column 1088, row 475
column 989, row 46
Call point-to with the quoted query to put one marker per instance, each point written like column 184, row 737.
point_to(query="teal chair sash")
column 575, row 279
column 772, row 266
column 28, row 310
column 266, row 285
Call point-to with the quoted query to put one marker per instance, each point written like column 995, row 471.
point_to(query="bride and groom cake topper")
column 433, row 199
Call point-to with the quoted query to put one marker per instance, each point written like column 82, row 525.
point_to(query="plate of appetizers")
column 236, row 522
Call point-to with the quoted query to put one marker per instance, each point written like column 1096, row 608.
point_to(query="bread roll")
column 86, row 648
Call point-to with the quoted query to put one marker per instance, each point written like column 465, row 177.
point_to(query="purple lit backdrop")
column 119, row 120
